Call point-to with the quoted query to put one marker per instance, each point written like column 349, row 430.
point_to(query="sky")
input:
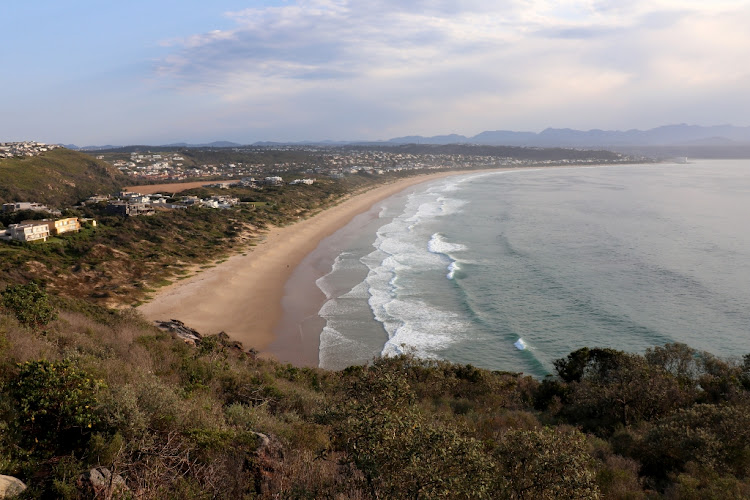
column 89, row 72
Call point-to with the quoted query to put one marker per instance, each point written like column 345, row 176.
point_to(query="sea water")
column 512, row 270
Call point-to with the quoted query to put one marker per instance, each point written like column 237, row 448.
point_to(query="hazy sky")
column 158, row 71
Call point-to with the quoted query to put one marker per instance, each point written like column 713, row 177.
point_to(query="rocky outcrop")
column 194, row 338
column 181, row 330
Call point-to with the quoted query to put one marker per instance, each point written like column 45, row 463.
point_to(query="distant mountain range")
column 668, row 135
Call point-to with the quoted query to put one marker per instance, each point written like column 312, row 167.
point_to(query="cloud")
column 430, row 64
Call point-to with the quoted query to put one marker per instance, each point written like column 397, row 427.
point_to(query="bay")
column 512, row 270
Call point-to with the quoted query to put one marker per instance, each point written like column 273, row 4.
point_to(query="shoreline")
column 243, row 295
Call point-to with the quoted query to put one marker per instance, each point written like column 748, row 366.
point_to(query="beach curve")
column 242, row 296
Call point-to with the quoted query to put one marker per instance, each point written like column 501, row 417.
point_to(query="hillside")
column 88, row 394
column 56, row 178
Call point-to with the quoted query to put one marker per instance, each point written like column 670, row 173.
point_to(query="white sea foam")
column 438, row 244
column 344, row 262
column 332, row 344
column 412, row 325
column 405, row 253
column 337, row 307
column 452, row 268
column 358, row 292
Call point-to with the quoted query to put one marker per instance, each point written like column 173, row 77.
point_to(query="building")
column 66, row 225
column 97, row 198
column 28, row 232
column 24, row 205
column 273, row 181
column 126, row 209
column 59, row 226
column 192, row 201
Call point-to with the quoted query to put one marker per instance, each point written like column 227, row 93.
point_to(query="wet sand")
column 243, row 295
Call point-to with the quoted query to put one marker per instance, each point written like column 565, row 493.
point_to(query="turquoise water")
column 464, row 267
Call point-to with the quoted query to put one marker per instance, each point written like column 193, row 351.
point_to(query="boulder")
column 101, row 483
column 10, row 486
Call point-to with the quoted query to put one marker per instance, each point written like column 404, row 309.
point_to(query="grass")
column 58, row 178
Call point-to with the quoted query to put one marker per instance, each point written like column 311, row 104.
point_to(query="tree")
column 608, row 388
column 29, row 303
column 715, row 437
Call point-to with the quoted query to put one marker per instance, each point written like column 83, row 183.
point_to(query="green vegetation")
column 103, row 389
column 87, row 390
column 29, row 304
column 57, row 178
column 120, row 259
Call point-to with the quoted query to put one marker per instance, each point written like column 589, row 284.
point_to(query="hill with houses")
column 56, row 177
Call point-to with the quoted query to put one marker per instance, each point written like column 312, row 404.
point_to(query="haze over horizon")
column 167, row 71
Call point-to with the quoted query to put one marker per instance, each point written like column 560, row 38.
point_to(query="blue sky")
column 93, row 72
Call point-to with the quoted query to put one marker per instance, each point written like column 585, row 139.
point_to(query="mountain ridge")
column 666, row 135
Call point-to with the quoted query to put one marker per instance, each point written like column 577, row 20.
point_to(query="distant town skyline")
column 93, row 73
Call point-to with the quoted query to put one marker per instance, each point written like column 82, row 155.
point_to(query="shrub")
column 29, row 303
column 400, row 453
column 56, row 403
column 547, row 464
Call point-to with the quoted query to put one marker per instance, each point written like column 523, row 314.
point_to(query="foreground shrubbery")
column 97, row 389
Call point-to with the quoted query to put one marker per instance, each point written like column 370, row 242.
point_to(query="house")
column 29, row 232
column 126, row 209
column 220, row 185
column 128, row 194
column 308, row 182
column 221, row 202
column 140, row 198
column 59, row 226
column 66, row 225
column 97, row 198
column 24, row 205
column 273, row 181
column 192, row 200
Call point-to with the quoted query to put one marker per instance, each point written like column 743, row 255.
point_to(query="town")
column 336, row 162
column 22, row 149
column 253, row 169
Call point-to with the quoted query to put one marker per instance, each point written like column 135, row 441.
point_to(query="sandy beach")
column 243, row 295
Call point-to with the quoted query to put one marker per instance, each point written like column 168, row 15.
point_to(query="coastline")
column 243, row 295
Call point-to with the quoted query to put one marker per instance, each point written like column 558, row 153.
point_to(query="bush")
column 56, row 404
column 547, row 464
column 400, row 453
column 29, row 303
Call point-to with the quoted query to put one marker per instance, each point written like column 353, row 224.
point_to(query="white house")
column 29, row 232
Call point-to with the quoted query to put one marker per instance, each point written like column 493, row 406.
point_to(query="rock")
column 268, row 458
column 181, row 330
column 101, row 483
column 10, row 486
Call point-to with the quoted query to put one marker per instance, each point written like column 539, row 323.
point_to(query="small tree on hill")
column 29, row 303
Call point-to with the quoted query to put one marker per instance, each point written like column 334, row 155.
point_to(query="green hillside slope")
column 57, row 178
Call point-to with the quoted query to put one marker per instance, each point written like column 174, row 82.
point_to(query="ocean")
column 513, row 270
